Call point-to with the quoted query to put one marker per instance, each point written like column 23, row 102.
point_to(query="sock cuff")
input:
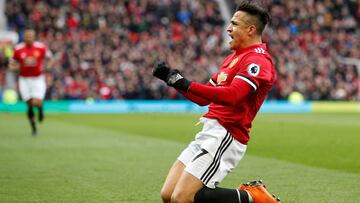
column 250, row 198
column 244, row 196
column 239, row 196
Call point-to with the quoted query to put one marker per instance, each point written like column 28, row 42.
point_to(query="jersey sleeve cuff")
column 212, row 82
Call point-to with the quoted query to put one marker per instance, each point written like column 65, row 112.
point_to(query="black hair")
column 29, row 28
column 260, row 16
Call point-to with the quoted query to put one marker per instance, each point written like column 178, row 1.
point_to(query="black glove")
column 176, row 80
column 161, row 70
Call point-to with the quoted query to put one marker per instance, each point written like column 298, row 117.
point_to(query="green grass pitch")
column 304, row 158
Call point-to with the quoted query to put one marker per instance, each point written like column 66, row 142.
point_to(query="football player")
column 28, row 58
column 234, row 95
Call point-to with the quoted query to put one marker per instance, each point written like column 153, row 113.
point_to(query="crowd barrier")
column 177, row 106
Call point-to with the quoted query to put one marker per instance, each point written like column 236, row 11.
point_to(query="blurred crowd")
column 309, row 40
column 106, row 49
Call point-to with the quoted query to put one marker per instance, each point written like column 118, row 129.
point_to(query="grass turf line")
column 102, row 158
column 321, row 140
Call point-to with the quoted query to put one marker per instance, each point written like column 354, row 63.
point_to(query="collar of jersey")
column 242, row 50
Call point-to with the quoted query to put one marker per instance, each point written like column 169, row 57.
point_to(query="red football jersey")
column 246, row 75
column 30, row 58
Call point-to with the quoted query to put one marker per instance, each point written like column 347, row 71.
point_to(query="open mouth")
column 232, row 39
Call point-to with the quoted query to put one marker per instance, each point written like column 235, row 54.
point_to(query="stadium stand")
column 106, row 49
column 309, row 39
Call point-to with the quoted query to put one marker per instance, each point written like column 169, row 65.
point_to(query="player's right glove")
column 172, row 78
column 175, row 79
column 161, row 70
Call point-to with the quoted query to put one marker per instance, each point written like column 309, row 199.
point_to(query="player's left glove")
column 161, row 70
column 176, row 80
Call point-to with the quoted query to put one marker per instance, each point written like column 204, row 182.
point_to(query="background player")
column 28, row 58
column 235, row 94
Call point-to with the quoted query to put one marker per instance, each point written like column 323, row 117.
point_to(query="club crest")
column 221, row 77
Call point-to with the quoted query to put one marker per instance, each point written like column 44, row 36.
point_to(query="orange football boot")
column 258, row 192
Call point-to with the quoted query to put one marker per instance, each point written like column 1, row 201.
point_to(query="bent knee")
column 181, row 198
column 165, row 195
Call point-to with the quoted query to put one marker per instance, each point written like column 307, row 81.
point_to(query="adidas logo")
column 259, row 50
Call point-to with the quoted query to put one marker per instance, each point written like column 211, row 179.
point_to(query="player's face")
column 238, row 30
column 29, row 37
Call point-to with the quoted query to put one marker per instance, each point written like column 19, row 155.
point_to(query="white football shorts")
column 32, row 87
column 213, row 154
